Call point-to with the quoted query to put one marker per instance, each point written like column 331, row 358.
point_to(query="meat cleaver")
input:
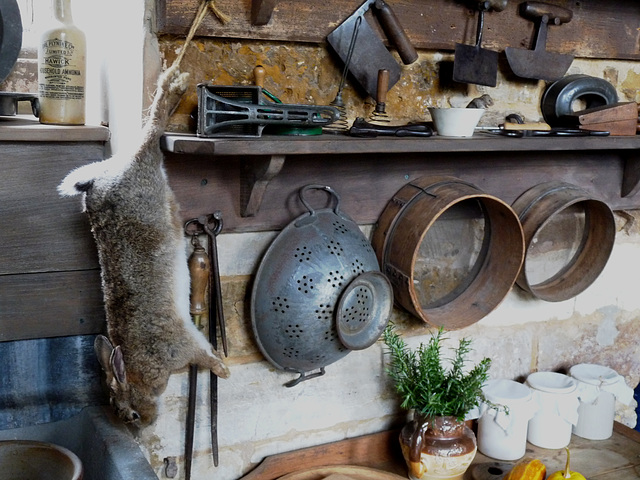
column 369, row 54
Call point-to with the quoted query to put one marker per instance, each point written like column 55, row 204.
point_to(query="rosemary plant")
column 425, row 385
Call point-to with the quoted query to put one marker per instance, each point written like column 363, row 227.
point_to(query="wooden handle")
column 258, row 76
column 536, row 10
column 199, row 267
column 395, row 33
column 526, row 126
column 383, row 86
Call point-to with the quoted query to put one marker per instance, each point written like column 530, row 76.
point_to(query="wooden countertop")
column 617, row 458
column 27, row 128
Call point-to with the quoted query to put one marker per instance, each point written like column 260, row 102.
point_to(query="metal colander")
column 320, row 268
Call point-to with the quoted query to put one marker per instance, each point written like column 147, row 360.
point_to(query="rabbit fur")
column 142, row 253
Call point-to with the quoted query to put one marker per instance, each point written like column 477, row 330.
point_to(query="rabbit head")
column 131, row 403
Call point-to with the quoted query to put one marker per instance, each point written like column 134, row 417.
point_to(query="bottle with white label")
column 62, row 70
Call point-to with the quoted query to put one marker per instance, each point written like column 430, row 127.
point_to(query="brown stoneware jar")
column 437, row 447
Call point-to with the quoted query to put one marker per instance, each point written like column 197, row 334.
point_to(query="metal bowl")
column 308, row 269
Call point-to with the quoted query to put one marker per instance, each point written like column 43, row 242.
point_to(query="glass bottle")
column 62, row 70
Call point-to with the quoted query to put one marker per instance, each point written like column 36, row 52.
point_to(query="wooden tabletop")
column 617, row 458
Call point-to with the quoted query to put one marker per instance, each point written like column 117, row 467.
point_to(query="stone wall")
column 310, row 74
column 259, row 416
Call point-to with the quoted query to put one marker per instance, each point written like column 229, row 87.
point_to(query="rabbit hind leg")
column 212, row 360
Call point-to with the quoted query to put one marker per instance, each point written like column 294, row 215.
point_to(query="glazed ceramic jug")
column 437, row 447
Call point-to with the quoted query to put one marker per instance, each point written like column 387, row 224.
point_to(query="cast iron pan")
column 10, row 36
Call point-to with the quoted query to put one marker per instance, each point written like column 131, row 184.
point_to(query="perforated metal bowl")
column 311, row 265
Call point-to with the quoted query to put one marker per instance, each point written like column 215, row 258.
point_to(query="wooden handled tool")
column 199, row 270
column 395, row 33
column 379, row 113
column 258, row 76
column 539, row 63
column 383, row 87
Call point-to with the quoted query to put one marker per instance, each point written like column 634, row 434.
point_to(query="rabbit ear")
column 103, row 348
column 117, row 365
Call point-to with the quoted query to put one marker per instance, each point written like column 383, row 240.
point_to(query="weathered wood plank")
column 380, row 451
column 49, row 276
column 50, row 305
column 599, row 28
column 366, row 182
column 40, row 230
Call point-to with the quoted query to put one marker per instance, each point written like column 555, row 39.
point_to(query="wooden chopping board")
column 342, row 472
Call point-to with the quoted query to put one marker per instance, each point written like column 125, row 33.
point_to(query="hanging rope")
column 216, row 11
column 202, row 11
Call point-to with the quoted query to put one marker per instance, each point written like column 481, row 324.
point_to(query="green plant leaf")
column 425, row 385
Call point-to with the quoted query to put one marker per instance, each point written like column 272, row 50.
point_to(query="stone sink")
column 103, row 443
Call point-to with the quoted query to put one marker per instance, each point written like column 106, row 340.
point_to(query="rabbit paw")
column 215, row 363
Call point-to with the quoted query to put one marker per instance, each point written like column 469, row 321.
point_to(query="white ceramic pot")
column 598, row 389
column 502, row 434
column 557, row 400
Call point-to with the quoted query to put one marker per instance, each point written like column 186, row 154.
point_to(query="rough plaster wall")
column 310, row 74
column 258, row 416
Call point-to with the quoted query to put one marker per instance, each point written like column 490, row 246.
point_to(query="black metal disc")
column 10, row 36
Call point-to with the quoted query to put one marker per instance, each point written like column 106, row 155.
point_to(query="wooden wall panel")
column 41, row 231
column 366, row 182
column 599, row 28
column 49, row 274
column 50, row 305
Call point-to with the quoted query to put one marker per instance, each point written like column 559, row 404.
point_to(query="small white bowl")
column 455, row 122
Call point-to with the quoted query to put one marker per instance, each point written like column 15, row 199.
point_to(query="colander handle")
column 326, row 188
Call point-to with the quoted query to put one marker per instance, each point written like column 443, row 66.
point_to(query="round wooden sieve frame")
column 536, row 208
column 403, row 225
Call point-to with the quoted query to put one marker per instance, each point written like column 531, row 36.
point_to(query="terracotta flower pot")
column 437, row 447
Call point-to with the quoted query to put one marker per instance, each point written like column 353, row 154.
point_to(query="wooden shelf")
column 27, row 128
column 341, row 144
column 262, row 174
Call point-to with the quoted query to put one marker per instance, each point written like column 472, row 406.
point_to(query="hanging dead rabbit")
column 145, row 280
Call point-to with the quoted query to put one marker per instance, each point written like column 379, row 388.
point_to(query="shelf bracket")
column 261, row 11
column 257, row 176
column 630, row 176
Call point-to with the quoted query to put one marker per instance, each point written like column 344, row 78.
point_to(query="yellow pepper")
column 566, row 474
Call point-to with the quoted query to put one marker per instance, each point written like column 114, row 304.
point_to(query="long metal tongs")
column 205, row 278
column 212, row 225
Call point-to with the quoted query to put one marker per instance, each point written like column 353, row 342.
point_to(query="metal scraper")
column 472, row 63
column 538, row 63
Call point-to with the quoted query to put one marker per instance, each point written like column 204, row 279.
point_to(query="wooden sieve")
column 569, row 236
column 450, row 251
